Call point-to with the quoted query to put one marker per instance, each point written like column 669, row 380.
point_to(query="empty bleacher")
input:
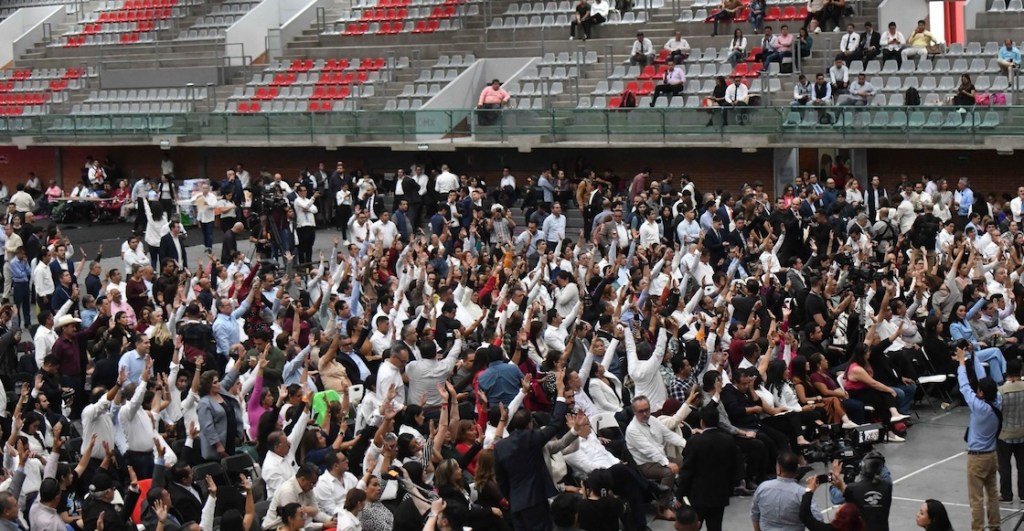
column 430, row 81
column 392, row 17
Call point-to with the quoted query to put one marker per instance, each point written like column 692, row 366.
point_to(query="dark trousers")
column 1007, row 451
column 534, row 518
column 140, row 217
column 868, row 55
column 78, row 403
column 755, row 455
column 415, row 214
column 154, row 256
column 630, row 487
column 722, row 15
column 665, row 88
column 21, row 300
column 306, row 237
column 892, row 54
column 726, row 109
column 712, row 517
column 207, row 234
column 142, row 462
column 342, row 215
column 876, row 399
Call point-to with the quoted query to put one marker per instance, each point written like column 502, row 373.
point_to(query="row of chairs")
column 942, row 65
column 233, row 8
column 399, row 14
column 96, row 28
column 602, row 102
column 1011, row 6
column 302, row 92
column 943, row 84
column 255, row 107
column 159, row 95
column 557, row 73
column 394, row 28
column 693, row 86
column 895, row 120
column 562, row 20
column 530, row 88
column 103, row 39
column 456, row 60
column 24, row 110
column 202, row 34
column 219, row 21
column 568, row 58
column 335, row 65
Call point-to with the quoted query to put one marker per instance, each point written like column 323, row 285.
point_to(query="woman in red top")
column 862, row 385
column 467, row 435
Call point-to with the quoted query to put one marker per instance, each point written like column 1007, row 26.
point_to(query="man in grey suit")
column 795, row 275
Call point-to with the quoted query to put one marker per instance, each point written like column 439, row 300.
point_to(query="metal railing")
column 778, row 125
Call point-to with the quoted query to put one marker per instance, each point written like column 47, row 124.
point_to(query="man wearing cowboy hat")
column 67, row 352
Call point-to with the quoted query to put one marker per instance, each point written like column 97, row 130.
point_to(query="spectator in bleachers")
column 727, row 10
column 965, row 93
column 736, row 96
column 918, row 43
column 767, row 45
column 892, row 44
column 492, row 97
column 849, row 45
column 833, row 11
column 805, row 41
column 870, row 43
column 673, row 82
column 716, row 99
column 812, row 22
column 821, row 94
column 1009, row 58
column 678, row 48
column 580, row 16
column 737, row 48
column 801, row 92
column 861, row 92
column 642, row 52
column 839, row 76
column 783, row 45
column 757, row 14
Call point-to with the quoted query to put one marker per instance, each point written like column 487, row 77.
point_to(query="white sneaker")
column 571, row 38
column 899, row 417
column 835, row 29
column 893, row 438
column 850, row 425
column 817, row 30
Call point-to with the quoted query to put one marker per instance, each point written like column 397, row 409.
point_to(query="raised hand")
column 211, row 486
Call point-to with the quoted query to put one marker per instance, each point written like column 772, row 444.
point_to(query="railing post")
column 542, row 41
column 609, row 57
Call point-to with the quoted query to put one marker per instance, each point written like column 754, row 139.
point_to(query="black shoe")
column 1006, row 498
column 652, row 103
column 710, row 123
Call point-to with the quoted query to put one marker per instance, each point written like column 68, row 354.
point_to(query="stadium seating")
column 391, row 17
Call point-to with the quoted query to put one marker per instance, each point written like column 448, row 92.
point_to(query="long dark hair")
column 775, row 376
column 938, row 515
column 860, row 355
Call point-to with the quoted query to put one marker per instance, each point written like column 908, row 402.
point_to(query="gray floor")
column 930, row 464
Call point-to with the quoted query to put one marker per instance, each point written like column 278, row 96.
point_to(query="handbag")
column 983, row 98
column 999, row 98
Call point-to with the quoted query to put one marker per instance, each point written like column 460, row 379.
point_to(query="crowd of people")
column 452, row 363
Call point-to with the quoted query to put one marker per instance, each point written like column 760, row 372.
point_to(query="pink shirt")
column 783, row 43
column 489, row 96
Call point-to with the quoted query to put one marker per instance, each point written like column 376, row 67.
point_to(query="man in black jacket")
column 521, row 472
column 870, row 44
column 101, row 505
column 709, row 470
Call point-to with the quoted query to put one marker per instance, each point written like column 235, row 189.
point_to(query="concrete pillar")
column 786, row 166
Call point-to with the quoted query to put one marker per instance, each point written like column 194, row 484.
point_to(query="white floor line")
column 933, row 465
column 954, row 504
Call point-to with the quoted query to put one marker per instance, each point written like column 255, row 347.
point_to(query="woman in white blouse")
column 348, row 517
column 603, row 387
column 737, row 48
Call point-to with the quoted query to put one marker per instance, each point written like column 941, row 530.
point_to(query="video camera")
column 848, row 446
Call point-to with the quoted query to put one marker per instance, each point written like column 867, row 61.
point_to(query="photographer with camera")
column 871, row 492
column 847, row 518
column 982, row 435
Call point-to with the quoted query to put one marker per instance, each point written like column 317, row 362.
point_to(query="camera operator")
column 871, row 492
column 982, row 435
column 847, row 518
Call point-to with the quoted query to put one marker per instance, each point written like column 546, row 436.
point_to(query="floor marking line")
column 933, row 465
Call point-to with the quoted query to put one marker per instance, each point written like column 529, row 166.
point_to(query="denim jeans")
column 996, row 363
column 905, row 397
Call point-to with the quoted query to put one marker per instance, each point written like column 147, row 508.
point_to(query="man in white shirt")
column 646, row 442
column 892, row 44
column 138, row 424
column 305, row 223
column 672, row 84
column 22, row 201
column 839, row 76
column 861, row 92
column 641, row 52
column 554, row 226
column 334, row 483
column 688, row 231
column 279, row 464
column 644, row 368
column 650, row 231
column 1017, row 205
column 384, row 230
column 679, row 49
column 390, row 375
column 849, row 44
column 205, row 201
column 736, row 96
column 133, row 254
column 446, row 181
column 42, row 279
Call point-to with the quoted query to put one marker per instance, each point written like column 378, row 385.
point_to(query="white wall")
column 24, row 29
column 250, row 31
column 301, row 20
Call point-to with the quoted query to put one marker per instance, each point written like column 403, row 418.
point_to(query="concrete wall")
column 24, row 29
column 158, row 77
column 249, row 33
column 295, row 25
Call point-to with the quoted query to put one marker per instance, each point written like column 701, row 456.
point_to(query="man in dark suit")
column 373, row 203
column 171, row 246
column 870, row 44
column 714, row 241
column 402, row 221
column 874, row 197
column 411, row 193
column 710, row 469
column 521, row 472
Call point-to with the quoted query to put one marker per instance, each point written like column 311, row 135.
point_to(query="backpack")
column 912, row 97
column 628, row 99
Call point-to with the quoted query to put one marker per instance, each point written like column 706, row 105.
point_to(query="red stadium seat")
column 662, row 56
column 802, row 14
column 327, row 106
column 773, row 13
column 633, row 86
column 614, row 102
column 397, row 27
column 385, row 28
column 421, row 27
column 740, row 70
column 647, row 73
column 752, row 56
column 789, row 13
column 646, row 88
column 433, row 25
column 755, row 69
column 742, row 16
column 243, row 106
